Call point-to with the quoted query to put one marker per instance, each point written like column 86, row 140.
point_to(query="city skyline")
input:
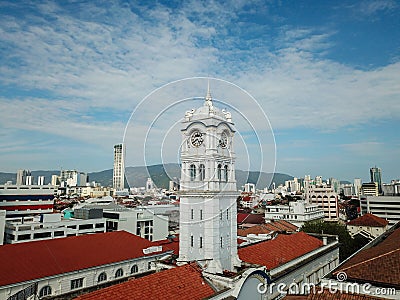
column 326, row 74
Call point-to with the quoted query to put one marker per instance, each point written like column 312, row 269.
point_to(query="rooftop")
column 278, row 251
column 275, row 226
column 250, row 218
column 52, row 257
column 369, row 220
column 377, row 263
column 184, row 282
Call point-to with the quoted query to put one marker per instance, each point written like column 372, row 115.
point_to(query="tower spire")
column 208, row 96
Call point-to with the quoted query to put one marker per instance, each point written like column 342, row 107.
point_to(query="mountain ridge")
column 161, row 174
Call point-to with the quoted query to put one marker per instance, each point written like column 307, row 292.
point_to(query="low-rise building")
column 374, row 270
column 142, row 222
column 291, row 260
column 297, row 212
column 50, row 226
column 282, row 261
column 385, row 207
column 369, row 189
column 368, row 226
column 325, row 197
column 265, row 231
column 65, row 267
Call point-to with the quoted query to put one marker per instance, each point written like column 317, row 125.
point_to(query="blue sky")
column 326, row 73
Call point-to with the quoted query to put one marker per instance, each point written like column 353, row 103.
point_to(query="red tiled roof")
column 282, row 225
column 280, row 250
column 38, row 259
column 172, row 244
column 184, row 282
column 377, row 264
column 255, row 219
column 241, row 217
column 258, row 229
column 369, row 220
column 279, row 225
column 240, row 241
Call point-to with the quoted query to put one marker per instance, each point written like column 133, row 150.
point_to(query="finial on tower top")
column 208, row 97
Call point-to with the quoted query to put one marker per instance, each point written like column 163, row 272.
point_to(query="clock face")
column 223, row 142
column 196, row 138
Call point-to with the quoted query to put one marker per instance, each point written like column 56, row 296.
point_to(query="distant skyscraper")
column 41, row 180
column 119, row 167
column 22, row 176
column 149, row 185
column 376, row 176
column 357, row 185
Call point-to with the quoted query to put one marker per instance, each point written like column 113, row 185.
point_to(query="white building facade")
column 52, row 226
column 141, row 222
column 208, row 225
column 325, row 197
column 385, row 207
column 297, row 212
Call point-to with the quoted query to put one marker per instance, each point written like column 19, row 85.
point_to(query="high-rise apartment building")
column 119, row 167
column 376, row 176
column 22, row 176
column 357, row 185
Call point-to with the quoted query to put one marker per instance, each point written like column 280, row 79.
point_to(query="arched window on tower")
column 192, row 171
column 226, row 173
column 202, row 172
column 219, row 172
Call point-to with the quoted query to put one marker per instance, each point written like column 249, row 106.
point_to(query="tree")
column 347, row 245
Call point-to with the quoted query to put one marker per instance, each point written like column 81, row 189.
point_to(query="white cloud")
column 109, row 57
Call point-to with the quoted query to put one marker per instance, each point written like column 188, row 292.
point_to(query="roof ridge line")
column 371, row 259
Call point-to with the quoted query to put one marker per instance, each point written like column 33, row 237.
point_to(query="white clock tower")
column 208, row 226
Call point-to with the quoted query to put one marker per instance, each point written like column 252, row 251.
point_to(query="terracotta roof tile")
column 184, row 282
column 52, row 257
column 280, row 225
column 258, row 229
column 377, row 264
column 172, row 244
column 280, row 250
column 369, row 220
column 241, row 217
column 255, row 219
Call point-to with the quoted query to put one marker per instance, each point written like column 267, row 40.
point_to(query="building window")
column 219, row 172
column 201, row 214
column 202, row 172
column 134, row 269
column 220, row 240
column 191, row 241
column 149, row 265
column 192, row 172
column 119, row 273
column 220, row 214
column 102, row 277
column 227, row 213
column 201, row 242
column 76, row 283
column 45, row 291
column 226, row 173
column 192, row 214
